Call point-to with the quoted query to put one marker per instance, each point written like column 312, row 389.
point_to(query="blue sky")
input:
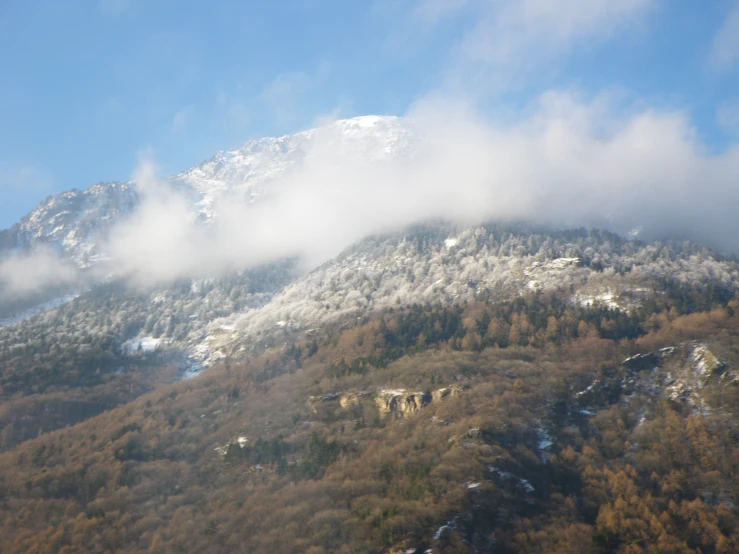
column 88, row 86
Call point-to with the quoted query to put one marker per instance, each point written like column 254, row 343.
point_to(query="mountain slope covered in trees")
column 529, row 425
column 440, row 388
column 104, row 347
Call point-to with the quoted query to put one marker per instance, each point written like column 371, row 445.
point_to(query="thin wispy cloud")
column 24, row 177
column 724, row 53
column 727, row 116
column 233, row 111
column 286, row 92
column 509, row 32
column 573, row 161
column 114, row 7
column 565, row 159
column 502, row 42
column 25, row 273
column 181, row 120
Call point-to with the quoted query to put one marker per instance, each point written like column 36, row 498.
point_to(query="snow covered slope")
column 440, row 264
column 202, row 321
column 75, row 223
column 246, row 173
column 247, row 311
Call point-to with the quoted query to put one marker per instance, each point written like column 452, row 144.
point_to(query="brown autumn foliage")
column 469, row 472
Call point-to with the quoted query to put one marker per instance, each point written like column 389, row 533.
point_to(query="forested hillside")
column 67, row 364
column 418, row 277
column 530, row 425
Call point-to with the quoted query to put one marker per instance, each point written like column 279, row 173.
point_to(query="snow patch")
column 607, row 299
column 143, row 344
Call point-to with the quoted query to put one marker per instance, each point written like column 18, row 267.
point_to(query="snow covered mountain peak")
column 75, row 222
column 72, row 222
column 248, row 171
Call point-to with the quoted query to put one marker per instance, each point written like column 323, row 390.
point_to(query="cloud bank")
column 565, row 160
column 503, row 44
column 724, row 52
column 23, row 274
column 570, row 162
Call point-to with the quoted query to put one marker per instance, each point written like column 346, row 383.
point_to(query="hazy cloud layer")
column 727, row 116
column 22, row 274
column 566, row 160
column 181, row 120
column 569, row 163
column 725, row 48
column 23, row 177
column 504, row 42
column 114, row 6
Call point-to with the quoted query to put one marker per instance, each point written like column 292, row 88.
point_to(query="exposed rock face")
column 348, row 399
column 680, row 373
column 705, row 363
column 232, row 447
column 314, row 401
column 399, row 402
column 701, row 367
column 687, row 374
column 446, row 392
column 641, row 362
column 74, row 223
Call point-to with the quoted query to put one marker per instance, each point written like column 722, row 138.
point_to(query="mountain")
column 191, row 324
column 499, row 387
column 76, row 223
column 249, row 172
column 520, row 426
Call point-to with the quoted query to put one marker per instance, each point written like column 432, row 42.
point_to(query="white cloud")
column 284, row 94
column 571, row 162
column 566, row 161
column 725, row 48
column 24, row 177
column 159, row 240
column 22, row 274
column 235, row 112
column 114, row 6
column 505, row 41
column 181, row 120
column 431, row 12
column 727, row 115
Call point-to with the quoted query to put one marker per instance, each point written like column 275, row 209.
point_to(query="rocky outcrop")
column 679, row 373
column 685, row 381
column 446, row 392
column 706, row 363
column 687, row 374
column 349, row 399
column 227, row 450
column 641, row 362
column 345, row 399
column 401, row 402
column 398, row 402
column 315, row 401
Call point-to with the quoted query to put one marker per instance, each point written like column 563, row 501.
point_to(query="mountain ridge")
column 442, row 387
column 67, row 221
